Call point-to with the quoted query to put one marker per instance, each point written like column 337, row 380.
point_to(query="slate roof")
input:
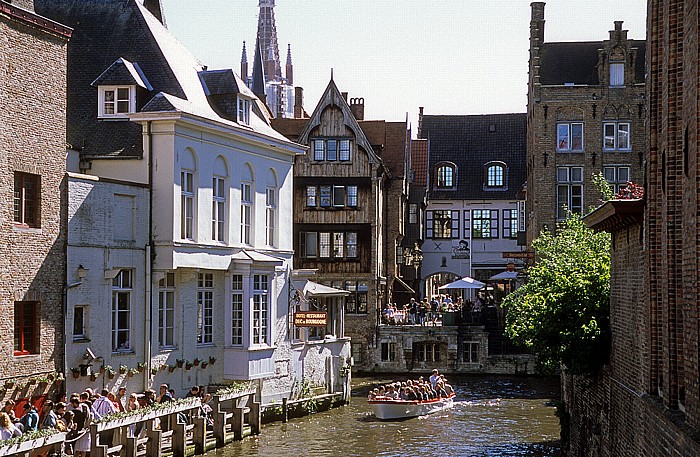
column 472, row 141
column 108, row 30
column 577, row 62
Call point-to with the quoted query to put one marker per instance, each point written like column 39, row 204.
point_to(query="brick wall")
column 32, row 137
column 647, row 402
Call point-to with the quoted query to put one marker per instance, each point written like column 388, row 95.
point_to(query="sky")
column 448, row 56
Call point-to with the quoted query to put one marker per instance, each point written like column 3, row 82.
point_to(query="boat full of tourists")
column 390, row 409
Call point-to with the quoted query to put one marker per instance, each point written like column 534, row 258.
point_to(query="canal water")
column 492, row 416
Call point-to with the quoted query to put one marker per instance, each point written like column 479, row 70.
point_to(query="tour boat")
column 386, row 409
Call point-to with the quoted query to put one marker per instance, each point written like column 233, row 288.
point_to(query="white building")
column 205, row 274
column 476, row 175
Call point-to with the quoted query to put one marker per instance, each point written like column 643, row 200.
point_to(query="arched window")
column 495, row 174
column 247, row 196
column 219, row 198
column 188, row 167
column 446, row 175
column 271, row 208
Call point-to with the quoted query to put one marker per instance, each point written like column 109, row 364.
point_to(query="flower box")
column 30, row 445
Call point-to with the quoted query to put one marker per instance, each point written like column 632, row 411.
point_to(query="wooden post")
column 96, row 450
column 237, row 423
column 130, row 446
column 179, row 438
column 199, row 435
column 220, row 428
column 285, row 410
column 154, row 446
column 254, row 416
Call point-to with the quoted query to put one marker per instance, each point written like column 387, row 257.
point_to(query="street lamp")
column 414, row 257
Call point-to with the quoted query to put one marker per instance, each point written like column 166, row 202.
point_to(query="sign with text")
column 310, row 318
column 519, row 255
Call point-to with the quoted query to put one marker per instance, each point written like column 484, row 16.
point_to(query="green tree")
column 563, row 311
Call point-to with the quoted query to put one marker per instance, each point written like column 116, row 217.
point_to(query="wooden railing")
column 173, row 436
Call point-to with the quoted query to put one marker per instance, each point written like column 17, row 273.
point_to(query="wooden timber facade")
column 339, row 187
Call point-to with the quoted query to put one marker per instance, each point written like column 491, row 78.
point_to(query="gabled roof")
column 470, row 142
column 123, row 73
column 135, row 36
column 333, row 97
column 419, row 161
column 577, row 62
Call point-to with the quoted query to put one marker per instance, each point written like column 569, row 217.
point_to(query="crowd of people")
column 429, row 311
column 77, row 413
column 435, row 387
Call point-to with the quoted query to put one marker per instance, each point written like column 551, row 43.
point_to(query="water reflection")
column 493, row 416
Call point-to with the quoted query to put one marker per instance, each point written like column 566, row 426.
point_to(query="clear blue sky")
column 450, row 56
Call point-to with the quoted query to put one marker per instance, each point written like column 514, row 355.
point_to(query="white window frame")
column 271, row 216
column 166, row 311
column 445, row 179
column 187, row 204
column 619, row 136
column 218, row 209
column 331, row 149
column 237, row 309
column 246, row 212
column 82, row 333
column 484, row 224
column 569, row 191
column 122, row 288
column 565, row 139
column 260, row 313
column 102, row 102
column 311, row 196
column 617, row 74
column 495, row 175
column 412, row 213
column 243, row 110
column 308, row 245
column 205, row 309
column 617, row 176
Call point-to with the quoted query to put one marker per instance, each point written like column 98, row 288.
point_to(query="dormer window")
column 116, row 101
column 243, row 111
column 446, row 176
column 495, row 175
column 116, row 89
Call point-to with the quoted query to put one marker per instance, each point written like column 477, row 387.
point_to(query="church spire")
column 267, row 39
column 244, row 64
column 289, row 73
column 258, row 82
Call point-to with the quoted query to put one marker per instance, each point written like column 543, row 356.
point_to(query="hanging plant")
column 204, row 365
column 212, row 360
column 123, row 369
column 171, row 368
column 188, row 365
column 59, row 379
column 9, row 384
column 93, row 377
column 76, row 372
column 132, row 372
column 180, row 362
column 111, row 373
column 103, row 369
column 51, row 376
column 154, row 371
column 164, row 367
column 140, row 367
column 31, row 381
column 196, row 362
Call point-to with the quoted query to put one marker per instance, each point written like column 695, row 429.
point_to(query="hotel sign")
column 310, row 318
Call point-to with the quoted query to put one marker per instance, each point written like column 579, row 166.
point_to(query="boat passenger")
column 434, row 377
column 442, row 393
column 403, row 395
column 382, row 392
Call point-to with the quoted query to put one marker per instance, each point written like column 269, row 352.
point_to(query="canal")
column 493, row 416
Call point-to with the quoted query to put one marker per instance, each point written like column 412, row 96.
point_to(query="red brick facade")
column 647, row 402
column 33, row 140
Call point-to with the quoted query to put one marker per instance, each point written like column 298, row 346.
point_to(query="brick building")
column 647, row 401
column 585, row 115
column 32, row 169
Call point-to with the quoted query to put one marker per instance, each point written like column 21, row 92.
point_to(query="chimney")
column 420, row 120
column 357, row 106
column 537, row 23
column 345, row 96
column 156, row 9
column 298, row 102
column 618, row 35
